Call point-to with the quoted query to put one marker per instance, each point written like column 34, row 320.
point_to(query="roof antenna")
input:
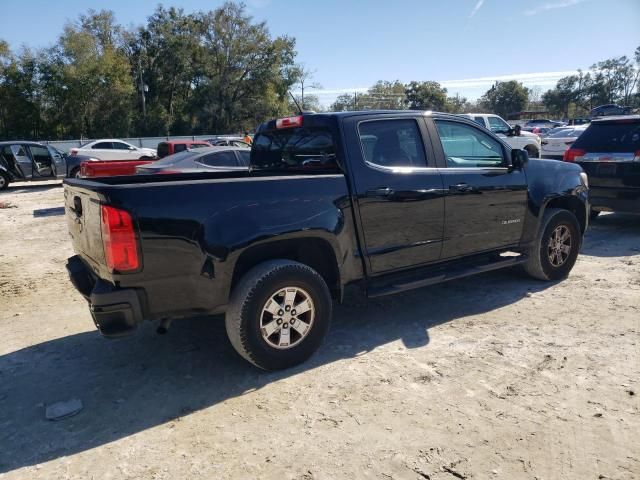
column 294, row 101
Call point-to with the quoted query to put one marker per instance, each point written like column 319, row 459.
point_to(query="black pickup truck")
column 385, row 199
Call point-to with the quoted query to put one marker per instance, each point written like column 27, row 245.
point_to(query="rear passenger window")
column 244, row 156
column 392, row 143
column 467, row 147
column 179, row 147
column 102, row 146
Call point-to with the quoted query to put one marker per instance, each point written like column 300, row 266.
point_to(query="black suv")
column 609, row 152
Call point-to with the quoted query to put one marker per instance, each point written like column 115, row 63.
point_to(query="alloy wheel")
column 287, row 317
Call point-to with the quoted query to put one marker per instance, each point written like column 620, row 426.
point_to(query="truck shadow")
column 613, row 235
column 137, row 383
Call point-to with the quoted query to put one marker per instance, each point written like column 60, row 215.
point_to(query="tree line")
column 181, row 73
column 220, row 71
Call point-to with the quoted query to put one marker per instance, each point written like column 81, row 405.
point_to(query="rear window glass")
column 301, row 148
column 163, row 149
column 179, row 147
column 566, row 132
column 610, row 137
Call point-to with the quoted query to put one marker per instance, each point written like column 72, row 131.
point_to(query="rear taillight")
column 573, row 153
column 119, row 240
column 289, row 122
column 636, row 156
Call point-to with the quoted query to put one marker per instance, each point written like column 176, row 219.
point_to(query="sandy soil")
column 496, row 376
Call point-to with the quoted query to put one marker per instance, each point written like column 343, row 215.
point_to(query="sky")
column 465, row 45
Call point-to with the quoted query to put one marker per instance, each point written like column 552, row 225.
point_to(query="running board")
column 424, row 277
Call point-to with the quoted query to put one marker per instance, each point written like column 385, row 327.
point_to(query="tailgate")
column 82, row 211
column 611, row 170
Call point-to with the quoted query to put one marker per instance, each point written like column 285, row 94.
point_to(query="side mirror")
column 519, row 158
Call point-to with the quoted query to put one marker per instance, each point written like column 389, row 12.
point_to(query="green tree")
column 343, row 103
column 244, row 69
column 426, row 96
column 88, row 78
column 504, row 98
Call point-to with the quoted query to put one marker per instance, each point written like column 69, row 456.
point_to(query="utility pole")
column 355, row 100
column 143, row 88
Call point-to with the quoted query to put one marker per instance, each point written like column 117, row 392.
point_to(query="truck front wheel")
column 279, row 314
column 555, row 250
column 532, row 151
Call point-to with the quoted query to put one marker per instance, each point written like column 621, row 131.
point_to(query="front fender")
column 551, row 184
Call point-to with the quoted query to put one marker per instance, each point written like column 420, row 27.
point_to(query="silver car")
column 201, row 160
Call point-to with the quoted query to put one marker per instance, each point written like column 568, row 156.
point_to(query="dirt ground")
column 495, row 376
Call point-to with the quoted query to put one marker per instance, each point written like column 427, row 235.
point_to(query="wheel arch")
column 315, row 252
column 570, row 203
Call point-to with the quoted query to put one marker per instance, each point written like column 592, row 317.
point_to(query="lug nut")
column 293, row 312
column 279, row 321
column 286, row 325
column 280, row 312
column 293, row 321
column 287, row 308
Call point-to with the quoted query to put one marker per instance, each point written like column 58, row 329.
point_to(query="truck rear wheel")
column 555, row 250
column 279, row 314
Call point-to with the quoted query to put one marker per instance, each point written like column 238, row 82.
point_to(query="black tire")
column 593, row 215
column 4, row 181
column 540, row 264
column 532, row 151
column 253, row 293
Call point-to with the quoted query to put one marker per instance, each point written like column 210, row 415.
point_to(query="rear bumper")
column 616, row 200
column 116, row 312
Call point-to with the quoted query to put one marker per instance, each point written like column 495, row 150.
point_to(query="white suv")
column 526, row 140
column 113, row 149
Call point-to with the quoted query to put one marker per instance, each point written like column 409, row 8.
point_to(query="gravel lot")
column 495, row 376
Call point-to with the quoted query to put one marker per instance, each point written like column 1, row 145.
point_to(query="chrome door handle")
column 380, row 192
column 461, row 188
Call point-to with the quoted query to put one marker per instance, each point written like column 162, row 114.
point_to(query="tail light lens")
column 573, row 153
column 119, row 240
column 289, row 122
column 636, row 156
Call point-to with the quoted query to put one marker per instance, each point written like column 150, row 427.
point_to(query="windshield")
column 301, row 148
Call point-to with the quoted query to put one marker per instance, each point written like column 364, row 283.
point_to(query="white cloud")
column 476, row 8
column 552, row 6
